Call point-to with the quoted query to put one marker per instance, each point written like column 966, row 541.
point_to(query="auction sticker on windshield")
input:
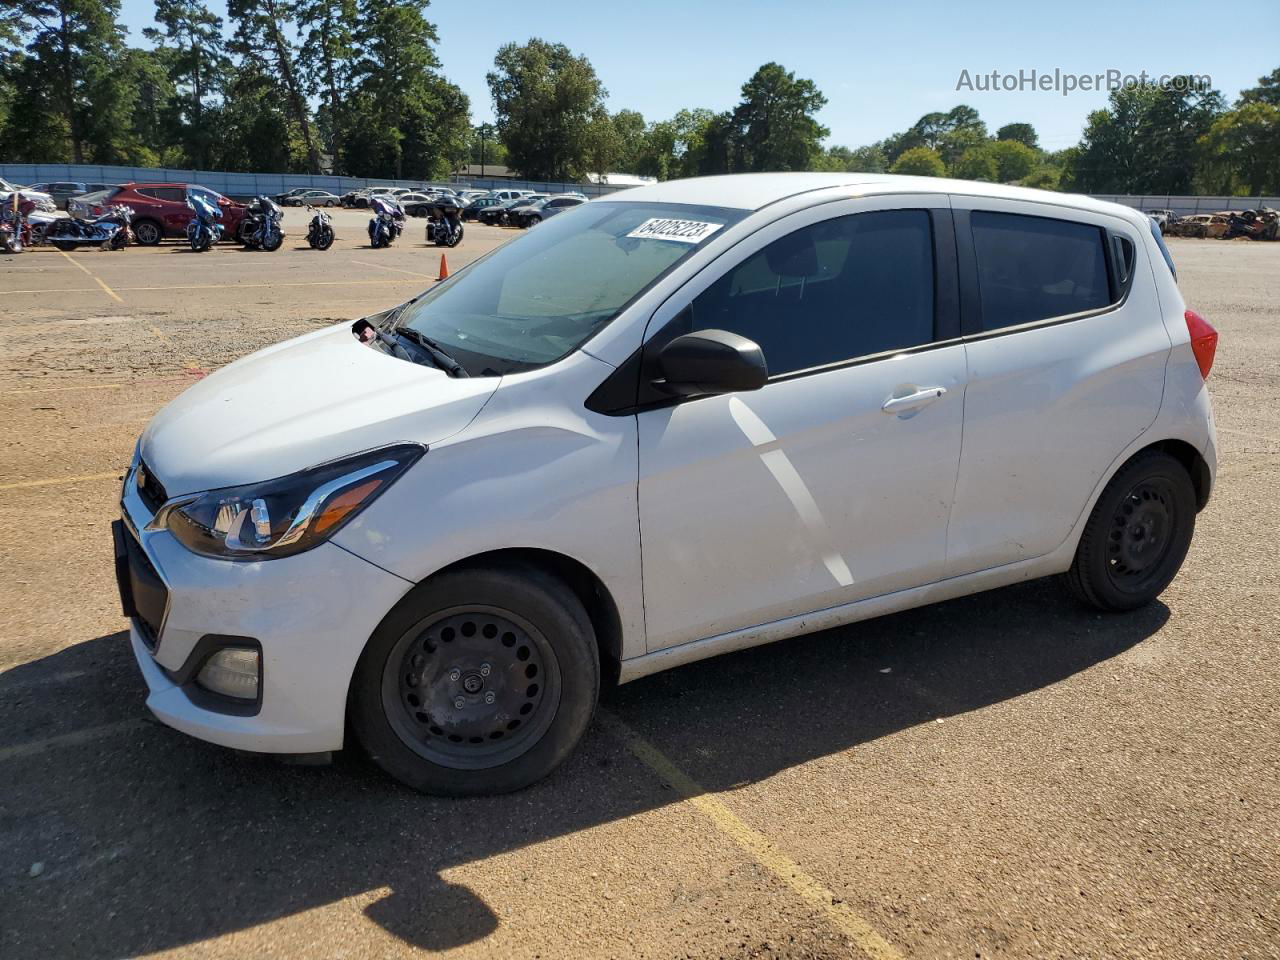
column 682, row 231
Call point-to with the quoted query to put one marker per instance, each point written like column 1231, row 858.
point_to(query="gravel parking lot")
column 1003, row 775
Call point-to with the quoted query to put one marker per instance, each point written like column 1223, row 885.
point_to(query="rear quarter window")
column 1037, row 268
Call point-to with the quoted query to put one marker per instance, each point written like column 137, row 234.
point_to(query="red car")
column 160, row 210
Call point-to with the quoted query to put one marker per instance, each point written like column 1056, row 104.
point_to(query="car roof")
column 751, row 191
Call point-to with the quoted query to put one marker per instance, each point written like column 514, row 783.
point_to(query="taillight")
column 1204, row 341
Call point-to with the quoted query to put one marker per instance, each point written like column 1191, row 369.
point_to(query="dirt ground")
column 1004, row 775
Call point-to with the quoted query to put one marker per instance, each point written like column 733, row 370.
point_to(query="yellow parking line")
column 110, row 293
column 760, row 847
column 70, row 739
column 23, row 484
column 383, row 266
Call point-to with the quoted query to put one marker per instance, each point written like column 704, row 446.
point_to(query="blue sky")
column 880, row 65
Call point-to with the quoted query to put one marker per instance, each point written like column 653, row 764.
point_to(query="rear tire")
column 478, row 682
column 1137, row 535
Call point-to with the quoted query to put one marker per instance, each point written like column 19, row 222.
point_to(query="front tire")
column 325, row 240
column 1137, row 535
column 479, row 682
column 147, row 233
column 273, row 242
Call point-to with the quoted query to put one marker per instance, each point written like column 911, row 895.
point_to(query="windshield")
column 538, row 298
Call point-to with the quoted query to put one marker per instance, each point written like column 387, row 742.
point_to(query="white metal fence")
column 253, row 184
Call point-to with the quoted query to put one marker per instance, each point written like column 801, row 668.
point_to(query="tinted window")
column 537, row 299
column 1034, row 268
column 833, row 291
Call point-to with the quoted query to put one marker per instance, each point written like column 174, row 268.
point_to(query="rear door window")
column 834, row 291
column 1037, row 268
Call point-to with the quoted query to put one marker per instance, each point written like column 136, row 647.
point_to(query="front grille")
column 150, row 595
column 150, row 489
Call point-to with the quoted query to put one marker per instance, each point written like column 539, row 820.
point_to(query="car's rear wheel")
column 479, row 681
column 147, row 232
column 1137, row 535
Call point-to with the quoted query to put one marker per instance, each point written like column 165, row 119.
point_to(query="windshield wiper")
column 437, row 353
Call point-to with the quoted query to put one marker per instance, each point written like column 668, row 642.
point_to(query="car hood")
column 300, row 403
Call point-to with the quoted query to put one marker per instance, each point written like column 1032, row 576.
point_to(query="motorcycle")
column 205, row 228
column 387, row 222
column 108, row 231
column 15, row 232
column 444, row 224
column 320, row 232
column 260, row 229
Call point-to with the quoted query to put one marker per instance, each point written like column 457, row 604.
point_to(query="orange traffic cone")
column 444, row 268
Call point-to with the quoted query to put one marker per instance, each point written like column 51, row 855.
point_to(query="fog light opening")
column 231, row 672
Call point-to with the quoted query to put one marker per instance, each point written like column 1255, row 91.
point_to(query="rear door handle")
column 913, row 401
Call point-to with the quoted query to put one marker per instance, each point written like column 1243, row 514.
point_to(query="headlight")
column 277, row 518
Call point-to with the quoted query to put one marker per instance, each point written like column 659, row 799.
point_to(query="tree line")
column 354, row 87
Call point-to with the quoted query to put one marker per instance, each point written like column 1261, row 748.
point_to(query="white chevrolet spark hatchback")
column 669, row 424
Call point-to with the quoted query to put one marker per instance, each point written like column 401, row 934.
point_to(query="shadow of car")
column 189, row 841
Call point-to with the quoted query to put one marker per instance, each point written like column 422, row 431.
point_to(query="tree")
column 976, row 163
column 198, row 62
column 68, row 83
column 1014, row 159
column 603, row 144
column 1023, row 133
column 325, row 61
column 1241, row 150
column 262, row 35
column 404, row 120
column 545, row 98
column 774, row 124
column 1145, row 141
column 486, row 148
column 254, row 131
column 1267, row 90
column 920, row 162
column 630, row 128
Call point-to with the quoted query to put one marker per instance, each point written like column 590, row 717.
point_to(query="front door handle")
column 913, row 401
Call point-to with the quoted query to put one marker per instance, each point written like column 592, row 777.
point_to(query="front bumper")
column 311, row 613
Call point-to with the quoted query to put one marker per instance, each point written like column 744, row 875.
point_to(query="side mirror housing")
column 711, row 362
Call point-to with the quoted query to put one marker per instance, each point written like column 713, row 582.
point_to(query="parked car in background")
column 160, row 210
column 499, row 214
column 280, row 198
column 507, row 193
column 541, row 210
column 1203, row 225
column 472, row 210
column 42, row 200
column 314, row 198
column 93, row 204
column 62, row 191
column 416, row 204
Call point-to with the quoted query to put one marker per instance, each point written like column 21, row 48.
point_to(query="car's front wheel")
column 1137, row 535
column 480, row 681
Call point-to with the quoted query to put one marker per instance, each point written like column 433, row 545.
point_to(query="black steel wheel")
column 471, row 687
column 479, row 681
column 1137, row 535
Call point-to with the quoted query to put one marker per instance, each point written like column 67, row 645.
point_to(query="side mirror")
column 711, row 361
